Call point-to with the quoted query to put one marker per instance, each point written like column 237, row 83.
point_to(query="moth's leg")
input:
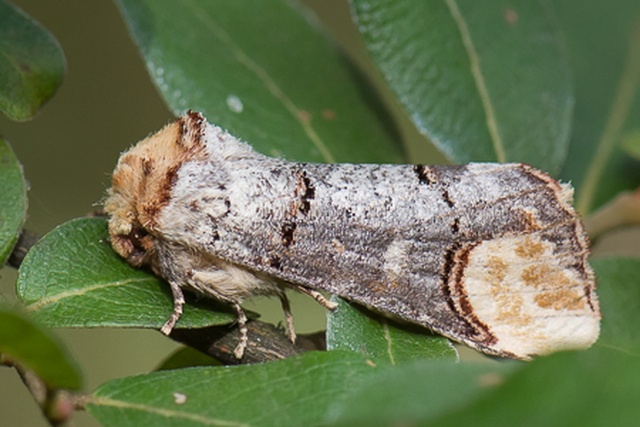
column 288, row 317
column 242, row 327
column 316, row 296
column 178, row 303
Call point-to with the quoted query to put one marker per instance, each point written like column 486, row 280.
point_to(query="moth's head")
column 136, row 245
column 142, row 182
column 127, row 205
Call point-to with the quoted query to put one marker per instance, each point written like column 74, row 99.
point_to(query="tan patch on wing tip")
column 547, row 275
column 529, row 248
column 560, row 299
column 558, row 289
column 497, row 268
column 509, row 305
column 531, row 295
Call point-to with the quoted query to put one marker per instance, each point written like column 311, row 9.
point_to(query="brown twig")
column 26, row 240
column 266, row 342
column 624, row 209
column 57, row 405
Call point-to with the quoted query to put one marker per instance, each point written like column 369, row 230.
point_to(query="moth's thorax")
column 142, row 183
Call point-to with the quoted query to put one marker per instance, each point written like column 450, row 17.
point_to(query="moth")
column 490, row 255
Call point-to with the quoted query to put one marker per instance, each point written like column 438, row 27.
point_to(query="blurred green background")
column 106, row 103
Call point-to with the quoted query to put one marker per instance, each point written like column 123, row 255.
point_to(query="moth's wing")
column 490, row 255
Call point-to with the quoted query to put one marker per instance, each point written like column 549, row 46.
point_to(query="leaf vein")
column 387, row 338
column 168, row 413
column 479, row 79
column 618, row 114
column 264, row 76
column 43, row 302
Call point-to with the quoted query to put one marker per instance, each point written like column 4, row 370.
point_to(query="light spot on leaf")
column 235, row 104
column 179, row 398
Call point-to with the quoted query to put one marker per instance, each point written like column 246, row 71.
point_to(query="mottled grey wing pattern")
column 487, row 254
column 393, row 237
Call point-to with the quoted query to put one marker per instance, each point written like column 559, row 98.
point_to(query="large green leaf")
column 34, row 348
column 13, row 200
column 72, row 278
column 31, row 64
column 291, row 392
column 264, row 72
column 354, row 328
column 603, row 41
column 417, row 393
column 311, row 389
column 619, row 291
column 631, row 144
column 591, row 388
column 483, row 80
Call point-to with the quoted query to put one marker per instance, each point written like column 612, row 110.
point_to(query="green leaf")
column 13, row 200
column 354, row 328
column 36, row 349
column 32, row 64
column 264, row 72
column 418, row 393
column 631, row 144
column 483, row 80
column 619, row 292
column 291, row 392
column 72, row 278
column 603, row 41
column 590, row 388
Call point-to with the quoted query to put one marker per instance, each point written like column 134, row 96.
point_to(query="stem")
column 618, row 113
column 266, row 342
column 57, row 405
column 26, row 240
